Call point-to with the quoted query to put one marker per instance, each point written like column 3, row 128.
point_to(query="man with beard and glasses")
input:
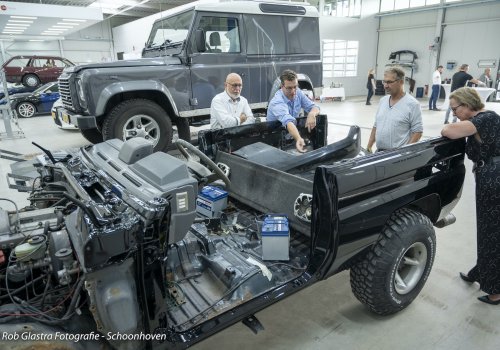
column 229, row 108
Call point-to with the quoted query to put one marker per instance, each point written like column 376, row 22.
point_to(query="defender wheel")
column 395, row 270
column 25, row 110
column 139, row 118
column 31, row 80
column 92, row 135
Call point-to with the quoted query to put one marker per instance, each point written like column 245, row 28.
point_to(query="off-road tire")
column 407, row 236
column 31, row 80
column 92, row 135
column 137, row 112
column 25, row 110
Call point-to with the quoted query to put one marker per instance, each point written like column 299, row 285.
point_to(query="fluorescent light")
column 50, row 33
column 17, row 21
column 74, row 20
column 68, row 24
column 23, row 17
column 14, row 29
column 17, row 25
column 9, row 32
column 67, row 27
column 36, row 40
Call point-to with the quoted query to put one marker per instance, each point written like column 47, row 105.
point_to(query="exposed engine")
column 82, row 225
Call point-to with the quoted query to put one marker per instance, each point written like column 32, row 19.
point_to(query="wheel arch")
column 429, row 205
column 118, row 92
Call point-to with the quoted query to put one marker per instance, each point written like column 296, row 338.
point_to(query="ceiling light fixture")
column 68, row 27
column 23, row 17
column 74, row 20
column 36, row 40
column 18, row 21
column 18, row 25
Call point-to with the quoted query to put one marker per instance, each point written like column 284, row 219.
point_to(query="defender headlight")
column 81, row 93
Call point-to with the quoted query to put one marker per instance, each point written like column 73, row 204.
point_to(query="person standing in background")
column 436, row 86
column 486, row 77
column 460, row 79
column 370, row 85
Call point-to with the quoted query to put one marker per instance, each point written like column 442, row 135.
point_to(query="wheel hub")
column 26, row 110
column 142, row 126
column 410, row 268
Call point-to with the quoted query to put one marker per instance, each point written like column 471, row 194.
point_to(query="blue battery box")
column 275, row 237
column 211, row 201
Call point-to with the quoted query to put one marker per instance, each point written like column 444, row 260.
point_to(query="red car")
column 34, row 70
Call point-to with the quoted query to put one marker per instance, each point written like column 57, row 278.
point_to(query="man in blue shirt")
column 286, row 105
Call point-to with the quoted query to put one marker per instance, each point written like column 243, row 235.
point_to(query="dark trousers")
column 434, row 96
column 370, row 94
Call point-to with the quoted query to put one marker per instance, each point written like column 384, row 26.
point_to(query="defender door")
column 223, row 54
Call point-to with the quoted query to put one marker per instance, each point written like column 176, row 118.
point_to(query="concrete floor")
column 446, row 314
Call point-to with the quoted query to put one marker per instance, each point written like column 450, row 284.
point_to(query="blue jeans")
column 434, row 96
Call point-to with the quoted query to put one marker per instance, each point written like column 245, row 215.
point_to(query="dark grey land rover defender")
column 186, row 60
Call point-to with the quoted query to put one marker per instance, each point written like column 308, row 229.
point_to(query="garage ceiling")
column 45, row 20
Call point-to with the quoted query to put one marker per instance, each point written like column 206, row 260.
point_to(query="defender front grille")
column 65, row 93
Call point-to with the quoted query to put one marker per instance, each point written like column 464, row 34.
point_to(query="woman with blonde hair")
column 370, row 85
column 482, row 129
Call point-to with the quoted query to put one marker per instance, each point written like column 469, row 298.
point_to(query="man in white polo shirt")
column 229, row 108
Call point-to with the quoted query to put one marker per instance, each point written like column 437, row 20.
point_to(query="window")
column 170, row 30
column 340, row 58
column 267, row 35
column 390, row 5
column 222, row 34
column 342, row 8
column 18, row 62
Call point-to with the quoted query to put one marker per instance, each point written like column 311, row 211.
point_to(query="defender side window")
column 266, row 35
column 222, row 34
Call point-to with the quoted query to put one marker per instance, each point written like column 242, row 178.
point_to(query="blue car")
column 40, row 101
column 15, row 89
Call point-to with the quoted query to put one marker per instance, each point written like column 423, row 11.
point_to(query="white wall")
column 362, row 29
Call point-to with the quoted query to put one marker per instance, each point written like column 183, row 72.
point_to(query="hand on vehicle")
column 300, row 145
column 369, row 150
column 310, row 123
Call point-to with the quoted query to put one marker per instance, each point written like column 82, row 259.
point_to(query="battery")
column 275, row 237
column 211, row 201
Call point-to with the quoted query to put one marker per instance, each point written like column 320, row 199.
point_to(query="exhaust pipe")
column 447, row 220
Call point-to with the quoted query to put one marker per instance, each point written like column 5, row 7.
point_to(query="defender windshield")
column 171, row 30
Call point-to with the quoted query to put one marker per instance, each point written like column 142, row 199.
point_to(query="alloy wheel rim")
column 26, row 110
column 410, row 268
column 142, row 126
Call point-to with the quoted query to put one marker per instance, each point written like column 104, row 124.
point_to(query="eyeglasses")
column 234, row 86
column 387, row 82
column 290, row 88
column 454, row 109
